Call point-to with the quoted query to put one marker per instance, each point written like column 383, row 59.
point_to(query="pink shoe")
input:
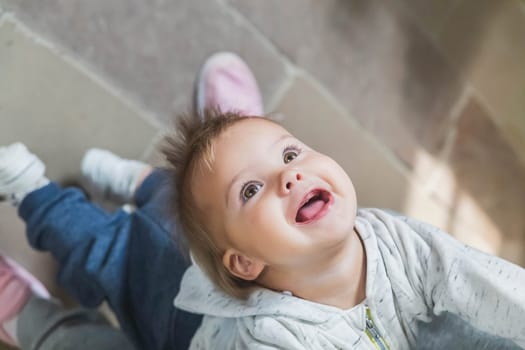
column 227, row 83
column 16, row 286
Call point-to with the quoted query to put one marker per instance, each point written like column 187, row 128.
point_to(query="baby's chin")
column 341, row 232
column 345, row 216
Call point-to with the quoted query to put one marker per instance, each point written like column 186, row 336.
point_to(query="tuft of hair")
column 187, row 150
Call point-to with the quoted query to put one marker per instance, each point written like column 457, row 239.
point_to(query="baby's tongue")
column 309, row 210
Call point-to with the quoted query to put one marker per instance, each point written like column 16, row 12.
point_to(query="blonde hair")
column 189, row 148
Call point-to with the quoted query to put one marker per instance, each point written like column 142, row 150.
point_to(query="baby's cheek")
column 264, row 217
column 266, row 220
column 331, row 168
column 341, row 173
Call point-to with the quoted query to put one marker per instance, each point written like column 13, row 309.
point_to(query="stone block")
column 485, row 188
column 151, row 51
column 486, row 41
column 378, row 65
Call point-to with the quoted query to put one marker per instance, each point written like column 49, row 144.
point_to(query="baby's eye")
column 249, row 190
column 290, row 153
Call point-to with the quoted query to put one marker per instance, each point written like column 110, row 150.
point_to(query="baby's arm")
column 484, row 290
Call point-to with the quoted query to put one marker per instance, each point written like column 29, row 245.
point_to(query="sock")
column 113, row 174
column 21, row 172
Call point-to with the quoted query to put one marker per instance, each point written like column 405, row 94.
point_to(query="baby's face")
column 272, row 198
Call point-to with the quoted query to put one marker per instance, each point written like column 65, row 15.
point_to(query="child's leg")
column 46, row 325
column 113, row 257
column 126, row 259
column 127, row 179
column 89, row 243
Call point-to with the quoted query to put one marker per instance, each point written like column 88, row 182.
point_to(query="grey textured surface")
column 431, row 15
column 151, row 50
column 500, row 188
column 58, row 110
column 372, row 59
column 485, row 40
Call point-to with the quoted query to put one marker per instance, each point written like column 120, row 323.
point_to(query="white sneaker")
column 112, row 175
column 21, row 172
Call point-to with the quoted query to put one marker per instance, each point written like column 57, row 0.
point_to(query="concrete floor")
column 363, row 81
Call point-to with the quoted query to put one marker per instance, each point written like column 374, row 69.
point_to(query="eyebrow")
column 235, row 178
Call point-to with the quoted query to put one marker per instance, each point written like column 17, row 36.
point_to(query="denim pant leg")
column 160, row 267
column 90, row 245
column 128, row 259
column 46, row 325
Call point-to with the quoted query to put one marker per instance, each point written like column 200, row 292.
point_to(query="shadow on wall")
column 410, row 97
column 484, row 167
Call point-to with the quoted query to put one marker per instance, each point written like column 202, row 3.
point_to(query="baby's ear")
column 242, row 266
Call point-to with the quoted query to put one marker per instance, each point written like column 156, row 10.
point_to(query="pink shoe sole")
column 227, row 83
column 16, row 286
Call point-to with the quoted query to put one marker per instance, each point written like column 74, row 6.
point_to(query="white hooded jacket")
column 414, row 272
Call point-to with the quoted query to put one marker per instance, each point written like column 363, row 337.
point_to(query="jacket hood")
column 199, row 295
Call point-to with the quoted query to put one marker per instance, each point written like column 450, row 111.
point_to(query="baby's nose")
column 289, row 179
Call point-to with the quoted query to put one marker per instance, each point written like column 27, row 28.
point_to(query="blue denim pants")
column 129, row 259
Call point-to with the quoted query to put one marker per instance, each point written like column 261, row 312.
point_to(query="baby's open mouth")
column 314, row 205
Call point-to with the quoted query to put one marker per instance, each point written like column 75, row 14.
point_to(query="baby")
column 284, row 259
